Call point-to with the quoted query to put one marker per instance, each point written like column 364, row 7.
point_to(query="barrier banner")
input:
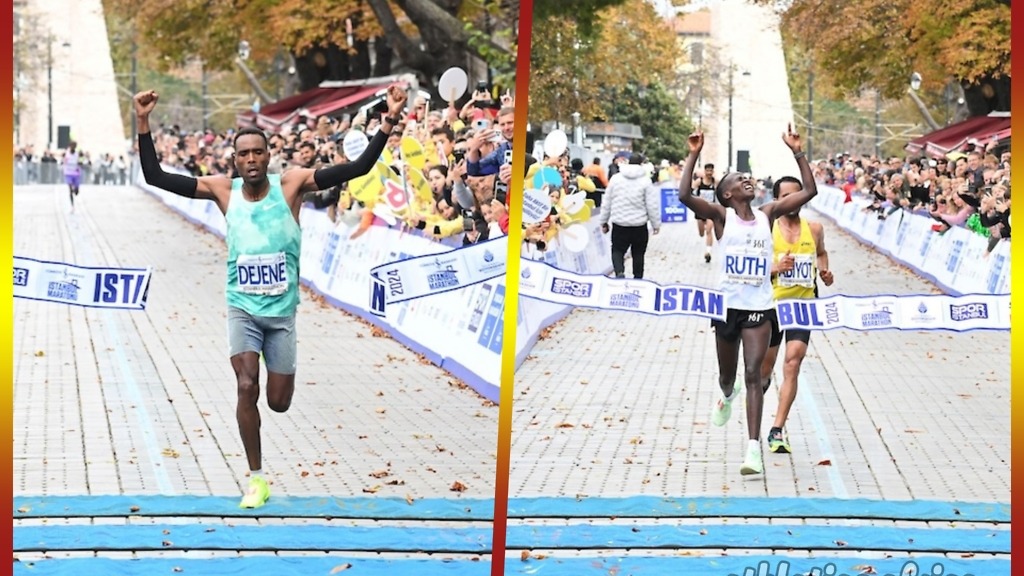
column 121, row 288
column 890, row 312
column 421, row 276
column 545, row 282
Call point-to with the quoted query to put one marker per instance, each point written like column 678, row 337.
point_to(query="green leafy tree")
column 878, row 44
column 573, row 69
column 422, row 36
column 660, row 116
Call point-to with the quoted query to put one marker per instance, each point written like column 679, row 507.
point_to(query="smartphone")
column 508, row 156
column 481, row 124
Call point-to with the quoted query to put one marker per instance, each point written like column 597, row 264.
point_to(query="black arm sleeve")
column 180, row 185
column 339, row 174
column 986, row 219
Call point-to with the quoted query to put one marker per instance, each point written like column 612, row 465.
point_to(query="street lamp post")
column 915, row 84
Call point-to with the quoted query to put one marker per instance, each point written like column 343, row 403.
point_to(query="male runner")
column 800, row 257
column 264, row 244
column 72, row 171
column 705, row 188
column 745, row 240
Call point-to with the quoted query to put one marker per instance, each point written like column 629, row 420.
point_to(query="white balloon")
column 536, row 205
column 573, row 203
column 453, row 84
column 354, row 144
column 555, row 144
column 574, row 237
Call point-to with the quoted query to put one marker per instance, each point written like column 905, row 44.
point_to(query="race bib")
column 264, row 274
column 802, row 273
column 745, row 265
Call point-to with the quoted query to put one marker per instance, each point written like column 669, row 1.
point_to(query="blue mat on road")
column 635, row 566
column 385, row 538
column 483, row 509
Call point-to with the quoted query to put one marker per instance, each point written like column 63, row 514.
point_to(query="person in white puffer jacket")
column 631, row 201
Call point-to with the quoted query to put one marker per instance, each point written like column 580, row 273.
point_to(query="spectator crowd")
column 969, row 189
column 453, row 163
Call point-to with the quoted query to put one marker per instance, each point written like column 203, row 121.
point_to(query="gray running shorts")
column 272, row 335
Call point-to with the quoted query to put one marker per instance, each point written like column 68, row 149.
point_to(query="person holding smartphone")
column 491, row 163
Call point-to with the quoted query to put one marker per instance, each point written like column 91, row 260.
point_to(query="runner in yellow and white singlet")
column 800, row 258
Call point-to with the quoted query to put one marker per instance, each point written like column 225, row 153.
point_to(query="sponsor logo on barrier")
column 327, row 257
column 442, row 279
column 21, row 276
column 973, row 311
column 443, row 276
column 995, row 272
column 954, row 255
column 629, row 298
column 571, row 288
column 63, row 290
column 922, row 315
column 490, row 265
column 879, row 316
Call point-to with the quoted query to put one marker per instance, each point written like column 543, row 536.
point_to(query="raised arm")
column 700, row 207
column 809, row 188
column 206, row 188
column 296, row 182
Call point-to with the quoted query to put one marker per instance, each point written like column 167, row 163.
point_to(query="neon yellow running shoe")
column 258, row 493
column 777, row 443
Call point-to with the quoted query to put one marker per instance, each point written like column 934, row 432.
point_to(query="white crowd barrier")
column 471, row 319
column 536, row 315
column 460, row 331
column 955, row 260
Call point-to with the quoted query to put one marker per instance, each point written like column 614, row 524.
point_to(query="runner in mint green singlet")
column 264, row 241
column 264, row 244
